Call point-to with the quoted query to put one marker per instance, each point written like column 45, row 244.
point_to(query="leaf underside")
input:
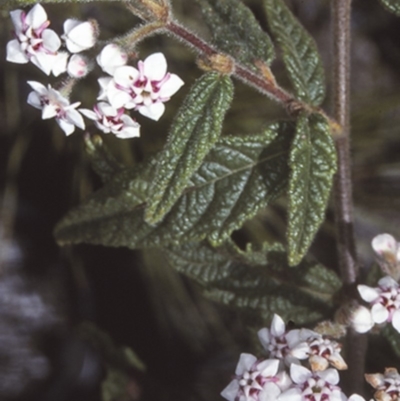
column 300, row 54
column 239, row 176
column 302, row 295
column 236, row 32
column 193, row 133
column 312, row 163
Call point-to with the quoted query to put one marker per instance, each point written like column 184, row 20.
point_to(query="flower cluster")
column 383, row 300
column 387, row 385
column 144, row 89
column 283, row 377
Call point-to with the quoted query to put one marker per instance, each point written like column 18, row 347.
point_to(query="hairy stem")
column 343, row 186
column 356, row 343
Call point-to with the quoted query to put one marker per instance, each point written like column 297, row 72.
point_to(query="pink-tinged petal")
column 125, row 75
column 79, row 36
column 34, row 100
column 330, row 375
column 264, row 337
column 15, row 54
column 269, row 367
column 67, row 127
column 49, row 111
column 89, row 114
column 388, row 282
column 379, row 313
column 246, row 361
column 368, row 294
column 299, row 374
column 78, row 66
column 171, row 86
column 36, row 17
column 74, row 117
column 361, row 320
column 118, row 99
column 44, row 62
column 111, row 57
column 284, row 381
column 292, row 394
column 154, row 111
column 60, row 64
column 231, row 391
column 16, row 17
column 277, row 326
column 396, row 320
column 155, row 67
column 51, row 40
column 384, row 243
column 128, row 132
column 270, row 392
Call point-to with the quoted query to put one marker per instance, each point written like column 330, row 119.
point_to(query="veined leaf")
column 302, row 295
column 236, row 32
column 102, row 161
column 193, row 133
column 300, row 53
column 312, row 163
column 240, row 175
column 392, row 5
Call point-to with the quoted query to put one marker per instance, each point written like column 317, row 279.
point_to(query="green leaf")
column 102, row 161
column 393, row 337
column 236, row 32
column 313, row 164
column 300, row 54
column 240, row 175
column 392, row 5
column 302, row 295
column 193, row 133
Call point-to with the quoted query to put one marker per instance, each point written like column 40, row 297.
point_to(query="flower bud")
column 79, row 36
column 361, row 319
column 78, row 66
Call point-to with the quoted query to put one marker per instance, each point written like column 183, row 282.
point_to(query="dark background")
column 189, row 345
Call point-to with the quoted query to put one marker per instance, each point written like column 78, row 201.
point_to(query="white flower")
column 385, row 301
column 110, row 120
column 111, row 57
column 387, row 250
column 387, row 384
column 290, row 346
column 53, row 104
column 361, row 319
column 78, row 66
column 78, row 35
column 144, row 89
column 60, row 63
column 33, row 42
column 313, row 386
column 256, row 380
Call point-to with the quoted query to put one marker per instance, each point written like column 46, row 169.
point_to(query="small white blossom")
column 144, row 89
column 53, row 104
column 313, row 386
column 111, row 57
column 290, row 346
column 384, row 301
column 387, row 384
column 78, row 35
column 33, row 42
column 361, row 320
column 111, row 120
column 60, row 64
column 78, row 66
column 387, row 250
column 256, row 380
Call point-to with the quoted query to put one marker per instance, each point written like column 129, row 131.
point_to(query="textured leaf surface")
column 303, row 294
column 193, row 133
column 239, row 176
column 312, row 163
column 235, row 31
column 300, row 53
column 392, row 5
column 102, row 161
